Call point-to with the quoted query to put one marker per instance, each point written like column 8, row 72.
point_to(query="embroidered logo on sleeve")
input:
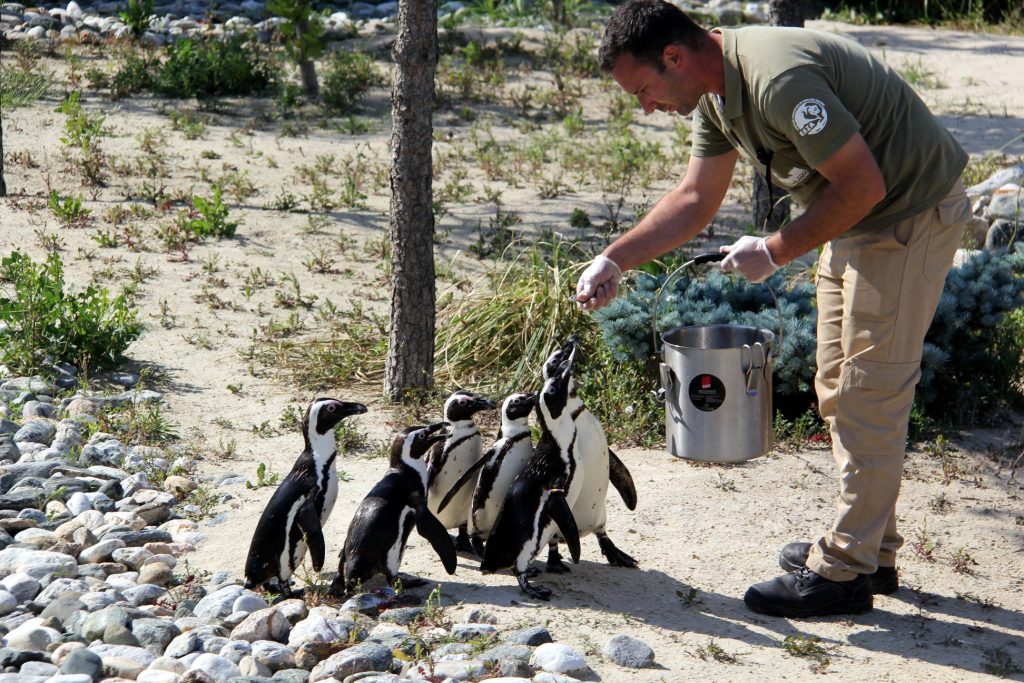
column 810, row 117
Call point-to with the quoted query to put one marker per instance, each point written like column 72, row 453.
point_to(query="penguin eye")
column 330, row 407
column 420, row 436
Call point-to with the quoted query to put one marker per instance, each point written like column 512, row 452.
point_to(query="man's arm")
column 855, row 186
column 676, row 219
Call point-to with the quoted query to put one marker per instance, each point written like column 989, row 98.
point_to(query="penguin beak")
column 483, row 403
column 436, row 435
column 567, row 365
column 347, row 409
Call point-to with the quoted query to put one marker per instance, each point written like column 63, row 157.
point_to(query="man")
column 879, row 178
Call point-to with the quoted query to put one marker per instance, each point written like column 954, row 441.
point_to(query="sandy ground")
column 701, row 534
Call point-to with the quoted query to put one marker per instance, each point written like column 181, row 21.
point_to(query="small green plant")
column 88, row 328
column 809, row 647
column 212, row 219
column 21, row 87
column 349, row 75
column 963, row 562
column 263, row 478
column 998, row 662
column 923, row 545
column 940, row 450
column 940, row 503
column 714, row 651
column 69, row 210
column 137, row 15
column 350, row 437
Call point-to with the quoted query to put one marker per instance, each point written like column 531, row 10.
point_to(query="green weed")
column 263, row 478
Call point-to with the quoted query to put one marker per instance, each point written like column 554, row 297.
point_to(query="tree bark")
column 410, row 361
column 780, row 13
column 307, row 70
column 3, row 183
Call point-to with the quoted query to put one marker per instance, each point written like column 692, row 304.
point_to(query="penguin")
column 597, row 465
column 497, row 469
column 536, row 503
column 384, row 519
column 295, row 516
column 448, row 462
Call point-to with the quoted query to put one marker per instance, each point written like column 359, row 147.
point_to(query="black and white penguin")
column 536, row 502
column 300, row 506
column 450, row 461
column 384, row 519
column 498, row 468
column 597, row 465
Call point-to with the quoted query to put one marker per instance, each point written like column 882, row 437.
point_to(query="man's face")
column 669, row 90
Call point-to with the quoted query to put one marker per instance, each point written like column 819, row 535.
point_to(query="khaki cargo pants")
column 877, row 294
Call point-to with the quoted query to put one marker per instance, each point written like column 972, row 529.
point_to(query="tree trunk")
column 410, row 362
column 310, row 84
column 3, row 183
column 780, row 13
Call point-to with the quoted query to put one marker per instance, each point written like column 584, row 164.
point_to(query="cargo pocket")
column 946, row 233
column 893, row 378
column 873, row 282
column 873, row 406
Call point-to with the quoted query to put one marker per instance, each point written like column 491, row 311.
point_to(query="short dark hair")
column 643, row 28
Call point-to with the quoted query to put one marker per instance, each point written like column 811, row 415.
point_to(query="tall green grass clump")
column 19, row 88
column 39, row 318
column 347, row 78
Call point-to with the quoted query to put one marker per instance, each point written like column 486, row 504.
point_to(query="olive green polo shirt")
column 802, row 94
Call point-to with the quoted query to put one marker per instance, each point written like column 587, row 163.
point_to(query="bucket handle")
column 753, row 364
column 699, row 259
column 668, row 394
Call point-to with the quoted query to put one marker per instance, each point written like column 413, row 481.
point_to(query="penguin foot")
column 531, row 572
column 477, row 544
column 463, row 543
column 536, row 592
column 408, row 581
column 615, row 557
column 554, row 564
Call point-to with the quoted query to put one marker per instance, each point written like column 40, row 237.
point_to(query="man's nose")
column 647, row 104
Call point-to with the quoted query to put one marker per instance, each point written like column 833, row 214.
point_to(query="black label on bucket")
column 707, row 392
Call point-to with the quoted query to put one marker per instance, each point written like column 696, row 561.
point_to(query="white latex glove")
column 749, row 257
column 598, row 284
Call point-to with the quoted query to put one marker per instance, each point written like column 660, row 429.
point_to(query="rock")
column 364, row 603
column 31, row 635
column 158, row 574
column 470, row 631
column 101, row 552
column 94, row 625
column 183, row 644
column 219, row 603
column 22, row 586
column 15, row 659
column 532, row 636
column 116, row 634
column 1000, row 234
column 291, row 676
column 123, row 661
column 155, row 634
column 508, row 660
column 8, row 603
column 401, row 615
column 156, row 676
column 265, row 624
column 59, row 586
column 236, row 651
column 1013, row 174
column 179, row 486
column 64, row 608
column 217, row 668
column 308, row 655
column 38, row 669
column 36, row 431
column 628, row 652
column 341, row 665
column 547, row 677
column 316, row 628
column 78, row 503
column 140, row 538
column 1007, row 202
column 37, row 563
column 250, row 667
column 274, row 656
column 250, row 602
column 83, row 407
column 82, row 661
column 168, row 664
column 558, row 658
column 294, row 610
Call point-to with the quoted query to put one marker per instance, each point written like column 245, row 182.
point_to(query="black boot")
column 806, row 594
column 884, row 581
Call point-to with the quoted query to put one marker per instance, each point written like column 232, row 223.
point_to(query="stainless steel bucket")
column 716, row 382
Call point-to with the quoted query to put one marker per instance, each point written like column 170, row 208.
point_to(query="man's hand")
column 749, row 256
column 598, row 284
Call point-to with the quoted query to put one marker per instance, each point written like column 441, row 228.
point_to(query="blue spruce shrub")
column 718, row 298
column 972, row 356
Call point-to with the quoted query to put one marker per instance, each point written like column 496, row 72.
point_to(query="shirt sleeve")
column 708, row 140
column 803, row 107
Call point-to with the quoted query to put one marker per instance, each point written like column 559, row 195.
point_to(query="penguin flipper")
column 464, row 479
column 622, row 480
column 429, row 527
column 309, row 522
column 561, row 514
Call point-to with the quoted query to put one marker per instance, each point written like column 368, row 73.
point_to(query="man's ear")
column 671, row 56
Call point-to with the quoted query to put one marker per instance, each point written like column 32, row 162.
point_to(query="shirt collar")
column 733, row 80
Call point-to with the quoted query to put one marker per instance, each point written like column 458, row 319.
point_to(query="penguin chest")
column 460, row 458
column 485, row 511
column 394, row 555
column 592, row 458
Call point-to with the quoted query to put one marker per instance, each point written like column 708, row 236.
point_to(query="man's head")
column 643, row 29
column 656, row 53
